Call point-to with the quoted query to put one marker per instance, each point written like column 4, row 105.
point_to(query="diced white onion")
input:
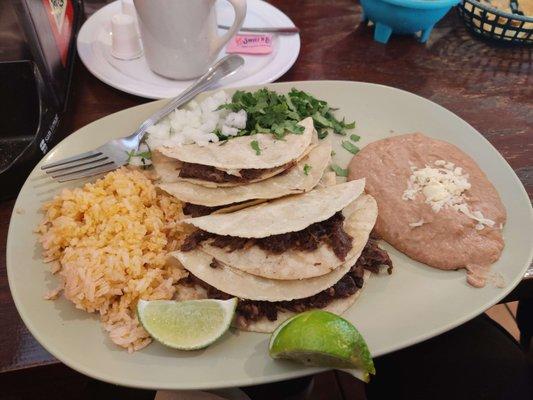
column 196, row 123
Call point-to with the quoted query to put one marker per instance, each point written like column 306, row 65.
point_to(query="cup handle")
column 240, row 13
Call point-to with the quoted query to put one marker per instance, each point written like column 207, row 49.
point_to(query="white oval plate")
column 135, row 77
column 415, row 303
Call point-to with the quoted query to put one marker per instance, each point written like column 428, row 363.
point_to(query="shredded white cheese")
column 443, row 186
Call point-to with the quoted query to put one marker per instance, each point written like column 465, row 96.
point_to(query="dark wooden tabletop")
column 490, row 87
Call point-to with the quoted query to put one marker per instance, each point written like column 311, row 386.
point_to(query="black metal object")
column 28, row 122
column 34, row 91
column 489, row 22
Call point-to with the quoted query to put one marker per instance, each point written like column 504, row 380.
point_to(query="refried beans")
column 447, row 239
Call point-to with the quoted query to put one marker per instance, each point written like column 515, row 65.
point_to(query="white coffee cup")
column 180, row 38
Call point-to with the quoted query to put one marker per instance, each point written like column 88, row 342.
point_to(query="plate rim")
column 91, row 67
column 282, row 375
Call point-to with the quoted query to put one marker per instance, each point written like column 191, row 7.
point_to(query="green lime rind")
column 186, row 325
column 323, row 339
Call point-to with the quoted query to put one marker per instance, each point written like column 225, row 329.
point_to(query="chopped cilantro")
column 333, row 153
column 339, row 171
column 307, row 168
column 352, row 148
column 143, row 154
column 279, row 114
column 320, row 120
column 255, row 146
column 355, row 138
column 322, row 133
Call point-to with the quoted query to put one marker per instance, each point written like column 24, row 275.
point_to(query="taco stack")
column 288, row 255
column 227, row 176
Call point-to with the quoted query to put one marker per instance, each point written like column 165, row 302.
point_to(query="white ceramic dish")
column 134, row 76
column 415, row 303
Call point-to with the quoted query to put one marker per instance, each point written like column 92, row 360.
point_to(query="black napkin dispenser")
column 34, row 91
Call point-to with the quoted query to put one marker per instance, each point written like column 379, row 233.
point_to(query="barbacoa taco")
column 239, row 161
column 201, row 200
column 288, row 255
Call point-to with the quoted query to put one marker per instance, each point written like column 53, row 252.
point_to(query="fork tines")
column 80, row 166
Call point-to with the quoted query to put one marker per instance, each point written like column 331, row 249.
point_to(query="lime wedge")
column 186, row 325
column 322, row 339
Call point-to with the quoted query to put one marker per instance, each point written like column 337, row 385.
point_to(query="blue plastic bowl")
column 405, row 16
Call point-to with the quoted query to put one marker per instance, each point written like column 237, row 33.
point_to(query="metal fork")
column 116, row 152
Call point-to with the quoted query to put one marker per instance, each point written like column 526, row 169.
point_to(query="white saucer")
column 94, row 48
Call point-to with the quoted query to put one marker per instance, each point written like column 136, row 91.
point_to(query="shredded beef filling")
column 330, row 231
column 212, row 174
column 196, row 210
column 372, row 258
column 194, row 239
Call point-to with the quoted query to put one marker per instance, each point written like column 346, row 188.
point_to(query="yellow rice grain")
column 108, row 244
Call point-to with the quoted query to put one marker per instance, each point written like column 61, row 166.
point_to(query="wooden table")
column 488, row 86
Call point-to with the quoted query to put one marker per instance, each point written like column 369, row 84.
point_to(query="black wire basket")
column 487, row 21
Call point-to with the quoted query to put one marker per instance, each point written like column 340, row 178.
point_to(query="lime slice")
column 322, row 339
column 186, row 325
